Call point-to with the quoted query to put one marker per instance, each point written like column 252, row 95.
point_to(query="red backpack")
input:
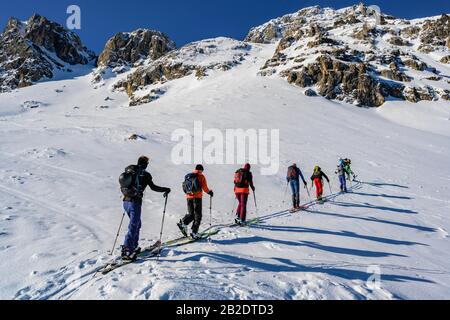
column 240, row 180
column 292, row 173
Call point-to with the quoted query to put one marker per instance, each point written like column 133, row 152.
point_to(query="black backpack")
column 129, row 182
column 191, row 184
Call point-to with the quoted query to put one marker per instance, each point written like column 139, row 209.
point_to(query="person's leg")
column 244, row 200
column 197, row 215
column 239, row 208
column 292, row 183
column 190, row 216
column 344, row 184
column 133, row 211
column 320, row 188
column 297, row 194
column 318, row 184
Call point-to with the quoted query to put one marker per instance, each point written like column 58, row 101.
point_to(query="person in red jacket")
column 194, row 195
column 243, row 182
column 317, row 178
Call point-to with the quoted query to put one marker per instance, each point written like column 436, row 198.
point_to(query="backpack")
column 129, row 182
column 240, row 179
column 191, row 184
column 292, row 173
column 347, row 162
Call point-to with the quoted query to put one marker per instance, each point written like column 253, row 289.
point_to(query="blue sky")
column 189, row 20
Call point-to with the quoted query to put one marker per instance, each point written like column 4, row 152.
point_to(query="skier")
column 348, row 169
column 243, row 181
column 293, row 178
column 317, row 179
column 194, row 186
column 133, row 184
column 341, row 172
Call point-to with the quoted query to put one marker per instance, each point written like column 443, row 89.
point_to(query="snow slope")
column 60, row 205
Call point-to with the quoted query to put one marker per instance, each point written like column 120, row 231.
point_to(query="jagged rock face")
column 32, row 50
column 435, row 33
column 349, row 55
column 130, row 48
column 197, row 59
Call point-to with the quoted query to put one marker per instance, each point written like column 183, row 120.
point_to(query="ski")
column 150, row 251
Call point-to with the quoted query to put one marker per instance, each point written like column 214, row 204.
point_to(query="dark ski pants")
column 295, row 186
column 343, row 183
column 241, row 213
column 194, row 214
column 133, row 210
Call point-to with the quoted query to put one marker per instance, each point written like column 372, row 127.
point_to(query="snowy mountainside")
column 61, row 205
column 64, row 143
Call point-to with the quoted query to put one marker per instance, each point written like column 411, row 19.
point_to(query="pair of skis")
column 155, row 249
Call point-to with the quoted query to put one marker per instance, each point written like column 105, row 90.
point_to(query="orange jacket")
column 204, row 185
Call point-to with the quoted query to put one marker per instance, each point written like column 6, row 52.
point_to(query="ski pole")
column 309, row 194
column 329, row 184
column 285, row 193
column 118, row 233
column 256, row 205
column 210, row 218
column 162, row 227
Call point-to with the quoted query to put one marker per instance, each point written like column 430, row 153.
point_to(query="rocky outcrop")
column 349, row 55
column 445, row 59
column 130, row 48
column 33, row 50
column 414, row 94
column 198, row 59
column 338, row 80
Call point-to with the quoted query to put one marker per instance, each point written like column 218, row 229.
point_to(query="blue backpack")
column 191, row 184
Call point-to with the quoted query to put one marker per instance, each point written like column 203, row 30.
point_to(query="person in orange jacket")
column 243, row 181
column 194, row 186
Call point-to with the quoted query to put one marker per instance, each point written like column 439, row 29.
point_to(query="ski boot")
column 183, row 228
column 195, row 236
column 238, row 221
column 128, row 255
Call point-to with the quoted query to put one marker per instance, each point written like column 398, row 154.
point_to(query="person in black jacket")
column 293, row 178
column 317, row 179
column 133, row 207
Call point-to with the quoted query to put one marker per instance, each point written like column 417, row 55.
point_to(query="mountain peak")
column 33, row 50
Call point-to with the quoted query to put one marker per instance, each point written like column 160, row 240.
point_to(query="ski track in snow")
column 60, row 204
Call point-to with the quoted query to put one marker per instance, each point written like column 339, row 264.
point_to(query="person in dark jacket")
column 133, row 208
column 293, row 178
column 243, row 182
column 317, row 179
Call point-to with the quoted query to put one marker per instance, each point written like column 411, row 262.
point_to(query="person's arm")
column 326, row 177
column 153, row 186
column 301, row 176
column 204, row 184
column 250, row 181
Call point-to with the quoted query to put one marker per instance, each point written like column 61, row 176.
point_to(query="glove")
column 306, row 185
column 211, row 193
column 166, row 194
column 254, row 189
